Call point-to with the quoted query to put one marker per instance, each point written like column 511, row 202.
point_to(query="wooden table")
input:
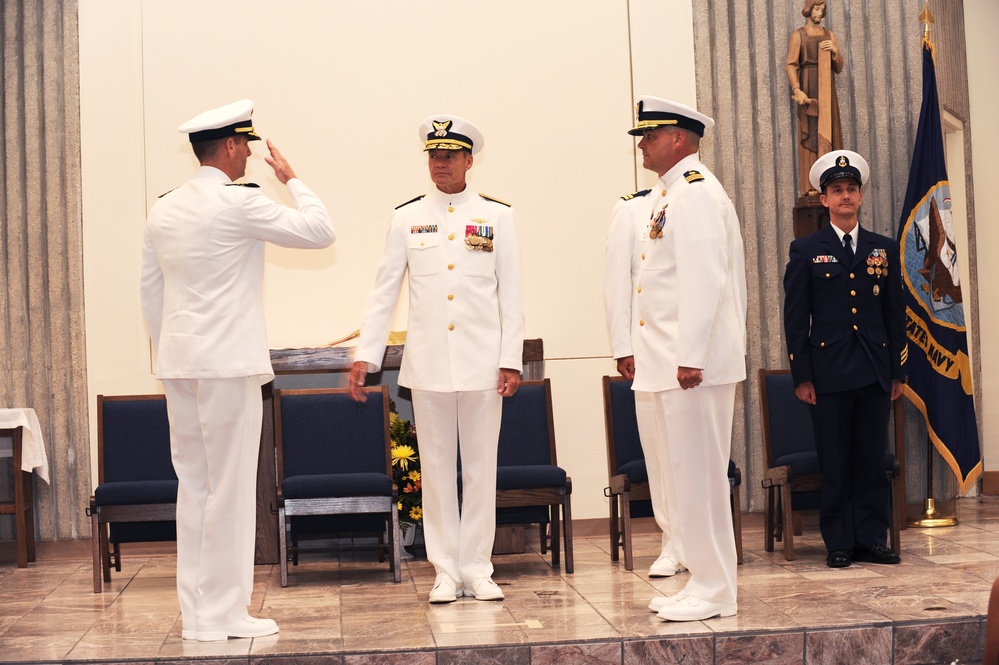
column 28, row 454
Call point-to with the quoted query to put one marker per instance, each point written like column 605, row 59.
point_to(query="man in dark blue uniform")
column 844, row 321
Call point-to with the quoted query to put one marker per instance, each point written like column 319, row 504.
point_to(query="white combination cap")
column 449, row 132
column 654, row 112
column 229, row 120
column 838, row 164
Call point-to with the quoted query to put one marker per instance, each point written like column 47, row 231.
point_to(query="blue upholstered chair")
column 334, row 459
column 530, row 486
column 791, row 480
column 136, row 495
column 629, row 479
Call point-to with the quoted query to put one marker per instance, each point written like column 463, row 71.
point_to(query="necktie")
column 848, row 246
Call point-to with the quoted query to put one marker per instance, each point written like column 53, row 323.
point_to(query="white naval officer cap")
column 449, row 132
column 838, row 164
column 654, row 112
column 229, row 120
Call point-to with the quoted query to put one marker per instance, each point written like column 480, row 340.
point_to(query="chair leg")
column 381, row 548
column 95, row 546
column 116, row 556
column 629, row 561
column 615, row 529
column 567, row 531
column 788, row 526
column 105, row 552
column 544, row 538
column 769, row 519
column 283, row 546
column 395, row 538
column 737, row 520
column 554, row 526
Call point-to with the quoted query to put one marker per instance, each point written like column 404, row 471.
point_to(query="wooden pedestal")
column 809, row 215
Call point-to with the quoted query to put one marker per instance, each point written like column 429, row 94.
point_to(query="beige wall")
column 341, row 89
column 981, row 19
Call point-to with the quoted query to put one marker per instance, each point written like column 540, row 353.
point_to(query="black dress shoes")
column 876, row 554
column 838, row 559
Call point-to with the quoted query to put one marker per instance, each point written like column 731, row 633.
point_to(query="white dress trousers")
column 214, row 443
column 459, row 544
column 692, row 432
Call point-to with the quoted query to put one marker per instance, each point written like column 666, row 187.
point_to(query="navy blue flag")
column 939, row 371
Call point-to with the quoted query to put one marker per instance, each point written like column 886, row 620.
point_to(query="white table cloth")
column 33, row 457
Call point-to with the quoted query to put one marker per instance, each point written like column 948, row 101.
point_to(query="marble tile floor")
column 342, row 608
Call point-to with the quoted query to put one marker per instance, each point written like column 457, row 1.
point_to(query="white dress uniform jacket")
column 202, row 271
column 625, row 240
column 691, row 303
column 466, row 312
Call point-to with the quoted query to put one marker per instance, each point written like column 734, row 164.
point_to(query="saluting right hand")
column 282, row 169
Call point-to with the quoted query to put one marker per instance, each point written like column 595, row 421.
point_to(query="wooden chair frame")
column 104, row 554
column 556, row 498
column 780, row 522
column 337, row 505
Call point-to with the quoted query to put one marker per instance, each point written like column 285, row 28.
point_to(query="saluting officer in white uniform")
column 202, row 297
column 464, row 349
column 689, row 345
column 626, row 237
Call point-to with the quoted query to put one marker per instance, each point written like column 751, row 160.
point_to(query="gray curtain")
column 42, row 339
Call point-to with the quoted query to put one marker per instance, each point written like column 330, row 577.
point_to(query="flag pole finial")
column 926, row 18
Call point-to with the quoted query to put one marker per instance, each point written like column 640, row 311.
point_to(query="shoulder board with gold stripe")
column 693, row 176
column 413, row 200
column 165, row 193
column 242, row 184
column 628, row 197
column 489, row 198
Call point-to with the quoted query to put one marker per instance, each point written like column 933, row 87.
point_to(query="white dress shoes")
column 484, row 589
column 445, row 589
column 692, row 608
column 660, row 602
column 246, row 626
column 665, row 566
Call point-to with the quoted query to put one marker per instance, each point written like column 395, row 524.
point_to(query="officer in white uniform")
column 202, row 297
column 464, row 348
column 689, row 345
column 626, row 238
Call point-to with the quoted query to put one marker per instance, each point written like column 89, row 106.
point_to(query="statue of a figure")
column 803, row 55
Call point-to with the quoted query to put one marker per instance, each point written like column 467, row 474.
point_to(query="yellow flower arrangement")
column 406, row 469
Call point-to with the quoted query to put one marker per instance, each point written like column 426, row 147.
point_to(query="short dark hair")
column 205, row 150
column 860, row 185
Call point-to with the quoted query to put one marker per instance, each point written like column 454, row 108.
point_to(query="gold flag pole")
column 930, row 517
